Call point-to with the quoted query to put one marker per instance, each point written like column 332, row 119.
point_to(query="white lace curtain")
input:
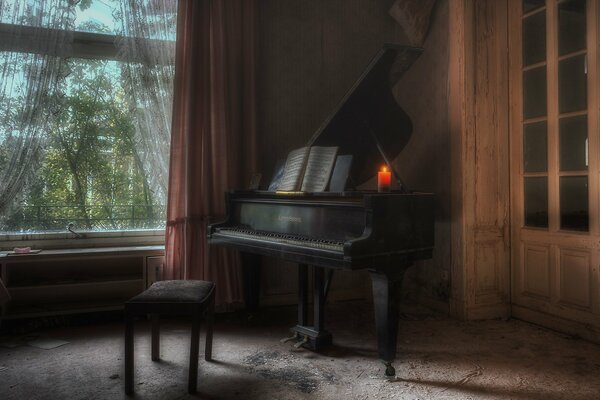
column 29, row 85
column 36, row 37
column 147, row 38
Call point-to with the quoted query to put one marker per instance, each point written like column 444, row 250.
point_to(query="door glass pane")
column 571, row 26
column 529, row 5
column 534, row 93
column 534, row 38
column 572, row 82
column 574, row 203
column 573, row 148
column 535, row 147
column 536, row 201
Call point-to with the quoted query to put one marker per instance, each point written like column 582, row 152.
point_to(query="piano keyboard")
column 293, row 240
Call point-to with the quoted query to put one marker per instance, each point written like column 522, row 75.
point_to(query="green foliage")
column 91, row 174
column 84, row 4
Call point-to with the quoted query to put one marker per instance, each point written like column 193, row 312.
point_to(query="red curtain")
column 213, row 144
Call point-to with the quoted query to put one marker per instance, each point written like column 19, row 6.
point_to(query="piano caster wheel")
column 390, row 371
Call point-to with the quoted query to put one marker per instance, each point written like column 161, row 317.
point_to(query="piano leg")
column 319, row 299
column 386, row 288
column 328, row 280
column 251, row 273
column 303, row 294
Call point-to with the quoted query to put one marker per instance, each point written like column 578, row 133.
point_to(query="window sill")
column 87, row 252
column 66, row 240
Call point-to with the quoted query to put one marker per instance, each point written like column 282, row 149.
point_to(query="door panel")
column 555, row 156
column 575, row 278
column 536, row 271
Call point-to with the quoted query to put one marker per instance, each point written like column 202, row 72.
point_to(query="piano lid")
column 368, row 123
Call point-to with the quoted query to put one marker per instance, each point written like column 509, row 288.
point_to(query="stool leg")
column 194, row 350
column 210, row 318
column 155, row 337
column 128, row 354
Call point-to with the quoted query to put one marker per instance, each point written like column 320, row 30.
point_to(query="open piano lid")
column 368, row 123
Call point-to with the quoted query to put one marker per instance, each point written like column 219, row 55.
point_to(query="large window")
column 555, row 115
column 555, row 141
column 85, row 106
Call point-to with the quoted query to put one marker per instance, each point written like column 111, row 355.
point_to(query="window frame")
column 553, row 118
column 85, row 45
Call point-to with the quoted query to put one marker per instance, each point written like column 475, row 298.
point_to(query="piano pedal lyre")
column 302, row 342
column 287, row 339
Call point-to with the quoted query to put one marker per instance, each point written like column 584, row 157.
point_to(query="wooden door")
column 555, row 164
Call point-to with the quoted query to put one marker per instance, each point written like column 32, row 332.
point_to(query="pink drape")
column 213, row 135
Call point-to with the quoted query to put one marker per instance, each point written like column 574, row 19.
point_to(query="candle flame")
column 384, row 169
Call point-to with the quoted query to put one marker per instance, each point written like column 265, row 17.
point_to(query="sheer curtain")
column 39, row 39
column 147, row 40
column 33, row 38
column 213, row 145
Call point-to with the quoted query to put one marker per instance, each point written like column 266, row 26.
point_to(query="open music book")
column 308, row 169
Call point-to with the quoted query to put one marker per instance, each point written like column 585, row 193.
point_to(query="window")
column 85, row 106
column 555, row 115
column 555, row 156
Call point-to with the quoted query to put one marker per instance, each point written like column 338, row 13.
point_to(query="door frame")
column 549, row 306
column 479, row 146
column 480, row 129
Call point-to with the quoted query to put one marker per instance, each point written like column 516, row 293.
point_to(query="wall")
column 311, row 52
column 478, row 116
column 424, row 163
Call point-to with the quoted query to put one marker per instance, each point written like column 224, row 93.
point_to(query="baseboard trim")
column 434, row 304
column 492, row 311
column 558, row 324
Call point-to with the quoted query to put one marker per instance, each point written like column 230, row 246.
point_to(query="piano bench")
column 194, row 298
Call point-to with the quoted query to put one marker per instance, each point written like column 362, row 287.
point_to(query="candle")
column 384, row 180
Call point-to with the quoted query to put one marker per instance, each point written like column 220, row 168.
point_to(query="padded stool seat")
column 194, row 298
column 175, row 292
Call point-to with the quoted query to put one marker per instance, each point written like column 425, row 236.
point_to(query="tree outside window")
column 103, row 155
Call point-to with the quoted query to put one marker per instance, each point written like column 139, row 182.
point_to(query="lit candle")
column 384, row 180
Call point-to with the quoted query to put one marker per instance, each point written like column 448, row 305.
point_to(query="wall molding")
column 478, row 111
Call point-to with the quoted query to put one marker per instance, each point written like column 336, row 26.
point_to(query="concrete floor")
column 438, row 358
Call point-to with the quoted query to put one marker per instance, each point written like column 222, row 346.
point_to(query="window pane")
column 91, row 174
column 96, row 16
column 574, row 203
column 84, row 133
column 535, row 147
column 534, row 93
column 571, row 26
column 529, row 5
column 534, row 38
column 536, row 201
column 105, row 16
column 573, row 143
column 572, row 84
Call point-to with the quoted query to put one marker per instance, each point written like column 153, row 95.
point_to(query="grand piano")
column 383, row 232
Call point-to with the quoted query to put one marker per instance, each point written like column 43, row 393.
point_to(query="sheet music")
column 294, row 168
column 318, row 168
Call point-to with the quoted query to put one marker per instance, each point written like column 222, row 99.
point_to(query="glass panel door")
column 555, row 125
column 555, row 157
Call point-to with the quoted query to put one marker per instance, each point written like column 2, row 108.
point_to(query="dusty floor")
column 438, row 358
